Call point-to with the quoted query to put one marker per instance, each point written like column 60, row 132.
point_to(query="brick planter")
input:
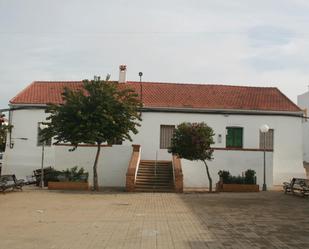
column 239, row 188
column 68, row 185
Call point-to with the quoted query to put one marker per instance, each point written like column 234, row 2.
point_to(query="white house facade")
column 235, row 114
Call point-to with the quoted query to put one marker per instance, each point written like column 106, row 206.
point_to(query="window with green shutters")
column 234, row 137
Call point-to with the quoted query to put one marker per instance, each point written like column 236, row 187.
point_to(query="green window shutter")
column 238, row 137
column 234, row 137
column 229, row 137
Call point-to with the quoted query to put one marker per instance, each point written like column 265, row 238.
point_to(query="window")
column 39, row 138
column 166, row 134
column 234, row 137
column 267, row 140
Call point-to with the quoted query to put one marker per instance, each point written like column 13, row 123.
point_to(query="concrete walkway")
column 44, row 219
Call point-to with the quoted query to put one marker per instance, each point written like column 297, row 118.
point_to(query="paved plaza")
column 68, row 220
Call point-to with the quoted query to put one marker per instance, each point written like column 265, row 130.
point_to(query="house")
column 236, row 114
column 303, row 102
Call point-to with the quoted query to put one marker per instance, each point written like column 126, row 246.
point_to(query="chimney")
column 122, row 73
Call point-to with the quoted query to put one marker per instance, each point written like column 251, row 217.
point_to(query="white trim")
column 21, row 105
column 222, row 111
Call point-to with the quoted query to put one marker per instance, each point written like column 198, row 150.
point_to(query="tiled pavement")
column 44, row 219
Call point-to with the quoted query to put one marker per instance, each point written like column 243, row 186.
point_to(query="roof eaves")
column 223, row 111
column 288, row 100
column 20, row 93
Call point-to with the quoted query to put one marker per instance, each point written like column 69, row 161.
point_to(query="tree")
column 4, row 129
column 193, row 141
column 102, row 111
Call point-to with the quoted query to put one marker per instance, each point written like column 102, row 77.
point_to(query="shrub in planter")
column 229, row 183
column 74, row 175
column 250, row 177
column 227, row 178
column 224, row 176
column 73, row 179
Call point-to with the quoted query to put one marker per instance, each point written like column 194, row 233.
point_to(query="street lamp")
column 264, row 129
column 42, row 126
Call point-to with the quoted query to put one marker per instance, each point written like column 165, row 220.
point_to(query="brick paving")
column 57, row 220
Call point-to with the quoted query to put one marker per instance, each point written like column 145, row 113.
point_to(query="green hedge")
column 248, row 178
column 69, row 175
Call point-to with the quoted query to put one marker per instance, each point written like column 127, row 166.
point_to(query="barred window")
column 267, row 140
column 166, row 134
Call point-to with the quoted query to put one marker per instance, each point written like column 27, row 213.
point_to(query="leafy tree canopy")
column 193, row 141
column 4, row 129
column 102, row 111
column 98, row 113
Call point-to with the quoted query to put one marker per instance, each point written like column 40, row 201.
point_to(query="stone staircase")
column 154, row 176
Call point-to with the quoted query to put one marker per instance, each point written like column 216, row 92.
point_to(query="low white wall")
column 24, row 155
column 235, row 162
column 112, row 166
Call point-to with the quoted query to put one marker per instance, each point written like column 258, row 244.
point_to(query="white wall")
column 303, row 102
column 112, row 166
column 26, row 156
column 287, row 156
column 235, row 162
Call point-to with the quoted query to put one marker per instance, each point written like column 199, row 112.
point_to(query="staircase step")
column 155, row 167
column 153, row 161
column 153, row 173
column 154, row 176
column 153, row 183
column 154, row 187
column 154, row 190
column 143, row 177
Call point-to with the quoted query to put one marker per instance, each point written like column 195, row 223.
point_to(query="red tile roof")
column 174, row 95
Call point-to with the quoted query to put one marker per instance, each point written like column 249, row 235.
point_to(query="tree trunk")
column 95, row 168
column 209, row 178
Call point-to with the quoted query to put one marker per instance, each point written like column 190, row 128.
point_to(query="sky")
column 239, row 42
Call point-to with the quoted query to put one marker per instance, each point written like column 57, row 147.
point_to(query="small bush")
column 75, row 175
column 69, row 175
column 227, row 178
column 250, row 177
column 225, row 175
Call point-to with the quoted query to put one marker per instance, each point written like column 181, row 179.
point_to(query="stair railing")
column 156, row 163
column 177, row 174
column 155, row 169
column 133, row 168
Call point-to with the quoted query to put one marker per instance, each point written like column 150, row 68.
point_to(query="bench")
column 10, row 182
column 297, row 185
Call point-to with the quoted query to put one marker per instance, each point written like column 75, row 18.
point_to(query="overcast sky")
column 239, row 42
